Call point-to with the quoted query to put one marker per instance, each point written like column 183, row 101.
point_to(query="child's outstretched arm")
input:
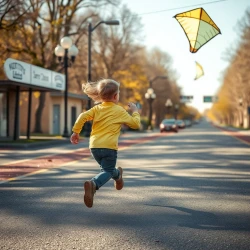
column 82, row 118
column 132, row 107
column 133, row 121
column 74, row 139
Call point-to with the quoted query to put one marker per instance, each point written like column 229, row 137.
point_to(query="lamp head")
column 73, row 50
column 150, row 91
column 59, row 51
column 112, row 22
column 66, row 42
column 240, row 101
column 153, row 96
column 168, row 103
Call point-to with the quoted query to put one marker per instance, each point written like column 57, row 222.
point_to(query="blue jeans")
column 106, row 158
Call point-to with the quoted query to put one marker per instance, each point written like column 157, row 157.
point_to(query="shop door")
column 56, row 119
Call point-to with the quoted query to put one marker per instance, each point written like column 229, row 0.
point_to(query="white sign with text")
column 30, row 74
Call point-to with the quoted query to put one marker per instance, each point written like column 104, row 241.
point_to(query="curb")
column 32, row 145
column 245, row 138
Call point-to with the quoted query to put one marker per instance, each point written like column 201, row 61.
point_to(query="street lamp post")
column 150, row 96
column 241, row 115
column 176, row 110
column 90, row 30
column 66, row 53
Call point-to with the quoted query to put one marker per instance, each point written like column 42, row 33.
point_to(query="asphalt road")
column 189, row 190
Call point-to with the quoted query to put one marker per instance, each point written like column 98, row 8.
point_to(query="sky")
column 163, row 31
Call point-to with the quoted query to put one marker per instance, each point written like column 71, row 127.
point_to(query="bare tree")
column 45, row 23
column 236, row 81
column 11, row 13
column 114, row 47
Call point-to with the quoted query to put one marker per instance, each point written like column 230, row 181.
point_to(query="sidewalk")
column 241, row 134
column 19, row 162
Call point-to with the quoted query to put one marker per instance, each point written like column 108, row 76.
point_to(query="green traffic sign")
column 186, row 98
column 207, row 99
column 210, row 98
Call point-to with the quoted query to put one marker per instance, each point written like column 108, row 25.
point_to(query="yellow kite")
column 199, row 71
column 198, row 27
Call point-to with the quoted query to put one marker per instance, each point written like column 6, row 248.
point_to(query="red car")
column 169, row 125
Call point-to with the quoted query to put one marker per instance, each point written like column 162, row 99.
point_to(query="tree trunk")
column 39, row 111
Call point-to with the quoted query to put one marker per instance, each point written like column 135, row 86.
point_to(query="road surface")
column 186, row 190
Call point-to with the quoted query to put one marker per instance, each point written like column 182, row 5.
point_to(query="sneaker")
column 90, row 188
column 119, row 183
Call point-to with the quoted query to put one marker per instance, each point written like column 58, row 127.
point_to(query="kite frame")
column 193, row 50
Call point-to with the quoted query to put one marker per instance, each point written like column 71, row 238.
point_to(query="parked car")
column 169, row 125
column 188, row 123
column 181, row 124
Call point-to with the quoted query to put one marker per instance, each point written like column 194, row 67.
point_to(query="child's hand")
column 133, row 107
column 74, row 139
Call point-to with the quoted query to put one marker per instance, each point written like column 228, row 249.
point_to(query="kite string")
column 179, row 7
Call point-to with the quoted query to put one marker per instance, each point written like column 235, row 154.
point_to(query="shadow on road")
column 172, row 184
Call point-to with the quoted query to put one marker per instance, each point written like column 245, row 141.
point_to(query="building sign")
column 41, row 77
column 19, row 71
column 58, row 81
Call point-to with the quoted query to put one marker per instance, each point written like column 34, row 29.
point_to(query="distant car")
column 181, row 124
column 188, row 123
column 169, row 125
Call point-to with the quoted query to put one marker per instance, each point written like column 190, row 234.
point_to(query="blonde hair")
column 102, row 90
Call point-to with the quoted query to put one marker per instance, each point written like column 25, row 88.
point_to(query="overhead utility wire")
column 180, row 7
